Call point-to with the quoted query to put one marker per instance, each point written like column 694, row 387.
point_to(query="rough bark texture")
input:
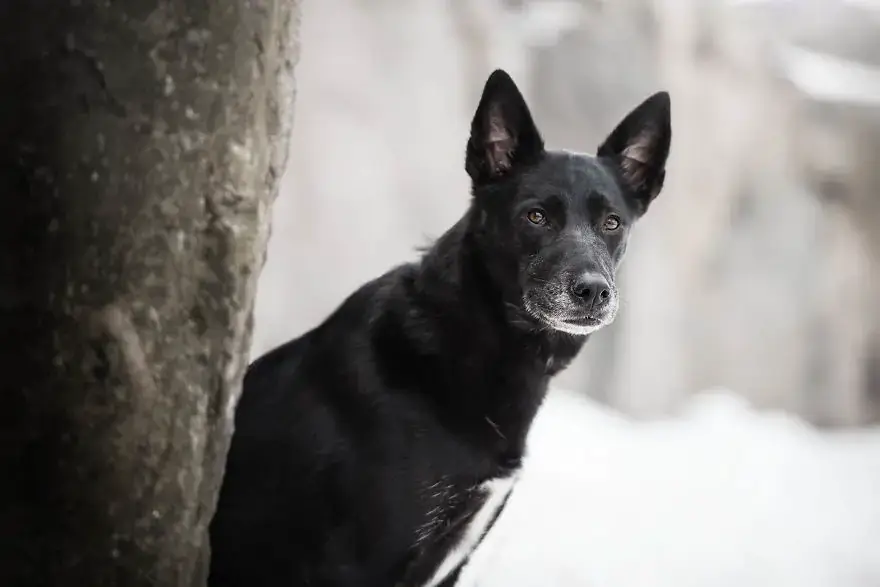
column 141, row 143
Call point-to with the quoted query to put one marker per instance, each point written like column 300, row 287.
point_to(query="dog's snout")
column 592, row 289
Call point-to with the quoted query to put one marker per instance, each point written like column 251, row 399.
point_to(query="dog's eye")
column 536, row 216
column 612, row 223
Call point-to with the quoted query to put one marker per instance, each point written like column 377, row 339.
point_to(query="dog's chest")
column 466, row 516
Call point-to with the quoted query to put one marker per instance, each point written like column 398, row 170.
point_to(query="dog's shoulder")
column 330, row 370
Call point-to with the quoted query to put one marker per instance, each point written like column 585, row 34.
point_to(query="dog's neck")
column 486, row 342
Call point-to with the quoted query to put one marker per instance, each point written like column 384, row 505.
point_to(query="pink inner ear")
column 636, row 159
column 498, row 153
column 500, row 144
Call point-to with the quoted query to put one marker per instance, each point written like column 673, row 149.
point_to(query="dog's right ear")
column 503, row 135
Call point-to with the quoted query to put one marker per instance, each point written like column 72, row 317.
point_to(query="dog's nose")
column 592, row 289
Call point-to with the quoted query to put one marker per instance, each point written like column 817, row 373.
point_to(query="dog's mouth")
column 579, row 325
column 586, row 321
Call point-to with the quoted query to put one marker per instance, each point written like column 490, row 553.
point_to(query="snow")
column 721, row 495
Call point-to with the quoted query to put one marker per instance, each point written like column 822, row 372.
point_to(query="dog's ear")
column 639, row 146
column 503, row 135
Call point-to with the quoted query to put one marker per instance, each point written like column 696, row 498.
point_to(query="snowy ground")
column 721, row 496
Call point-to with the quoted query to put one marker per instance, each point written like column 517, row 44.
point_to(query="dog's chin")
column 570, row 322
column 576, row 326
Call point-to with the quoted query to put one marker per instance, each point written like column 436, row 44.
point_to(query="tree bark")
column 141, row 144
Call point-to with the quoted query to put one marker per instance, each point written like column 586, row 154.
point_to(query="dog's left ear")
column 639, row 147
column 504, row 137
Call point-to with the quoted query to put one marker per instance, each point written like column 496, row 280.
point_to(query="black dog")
column 377, row 449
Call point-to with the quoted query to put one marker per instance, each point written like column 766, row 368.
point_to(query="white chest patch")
column 496, row 491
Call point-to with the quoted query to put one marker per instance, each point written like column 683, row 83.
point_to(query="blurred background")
column 756, row 269
column 716, row 434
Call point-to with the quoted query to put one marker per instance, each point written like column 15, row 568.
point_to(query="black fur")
column 359, row 446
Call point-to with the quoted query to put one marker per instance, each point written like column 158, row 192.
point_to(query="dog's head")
column 554, row 225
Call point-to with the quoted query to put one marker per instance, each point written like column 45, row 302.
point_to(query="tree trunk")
column 141, row 144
